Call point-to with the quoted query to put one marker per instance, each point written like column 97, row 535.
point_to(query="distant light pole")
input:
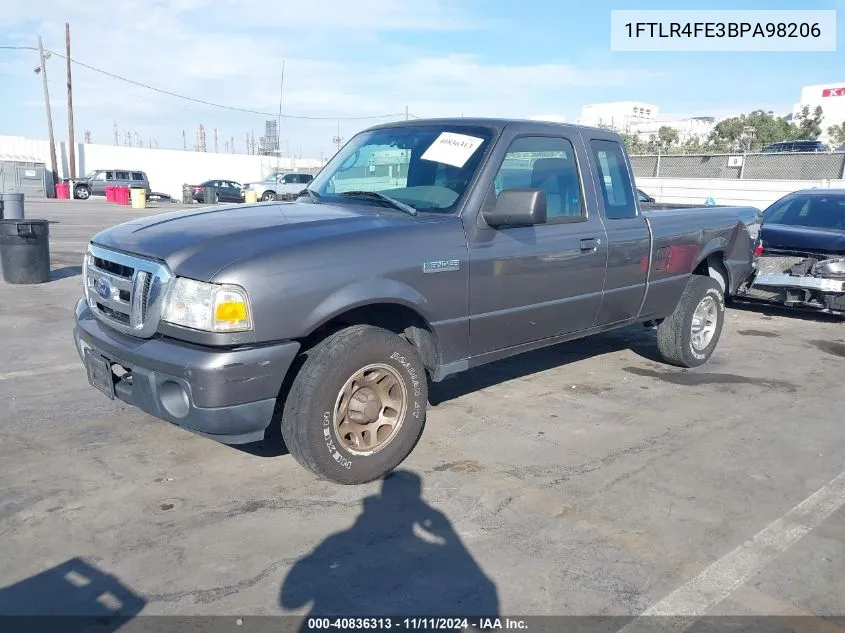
column 42, row 69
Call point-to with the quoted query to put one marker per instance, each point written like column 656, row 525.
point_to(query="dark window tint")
column 290, row 179
column 137, row 175
column 109, row 175
column 305, row 178
column 121, row 175
column 816, row 211
column 537, row 162
column 614, row 182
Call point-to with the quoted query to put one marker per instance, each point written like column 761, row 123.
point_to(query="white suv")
column 281, row 186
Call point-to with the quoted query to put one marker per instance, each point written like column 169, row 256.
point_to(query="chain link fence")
column 785, row 166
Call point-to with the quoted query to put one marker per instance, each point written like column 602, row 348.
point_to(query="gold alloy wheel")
column 370, row 408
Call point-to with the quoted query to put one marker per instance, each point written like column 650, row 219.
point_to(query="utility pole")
column 215, row 140
column 116, row 134
column 184, row 142
column 71, row 148
column 406, row 113
column 232, row 144
column 337, row 140
column 43, row 70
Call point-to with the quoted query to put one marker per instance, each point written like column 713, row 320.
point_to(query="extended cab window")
column 547, row 163
column 137, row 175
column 614, row 182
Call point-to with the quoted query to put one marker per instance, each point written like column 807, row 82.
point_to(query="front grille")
column 125, row 291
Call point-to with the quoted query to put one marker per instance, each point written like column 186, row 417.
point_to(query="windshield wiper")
column 375, row 195
column 315, row 197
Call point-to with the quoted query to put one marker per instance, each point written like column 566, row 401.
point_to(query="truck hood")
column 199, row 243
column 803, row 239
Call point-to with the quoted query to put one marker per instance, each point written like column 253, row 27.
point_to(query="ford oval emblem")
column 103, row 287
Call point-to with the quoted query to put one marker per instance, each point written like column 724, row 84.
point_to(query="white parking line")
column 41, row 371
column 696, row 597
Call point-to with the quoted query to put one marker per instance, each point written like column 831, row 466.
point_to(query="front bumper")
column 225, row 394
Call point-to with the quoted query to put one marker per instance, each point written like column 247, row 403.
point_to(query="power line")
column 203, row 102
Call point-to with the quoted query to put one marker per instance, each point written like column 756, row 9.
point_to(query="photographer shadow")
column 73, row 597
column 400, row 558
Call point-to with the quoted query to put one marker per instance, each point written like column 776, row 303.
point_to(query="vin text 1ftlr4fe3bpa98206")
column 422, row 249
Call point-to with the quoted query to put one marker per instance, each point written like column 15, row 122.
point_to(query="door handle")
column 588, row 244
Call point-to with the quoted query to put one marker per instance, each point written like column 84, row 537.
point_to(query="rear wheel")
column 268, row 196
column 356, row 409
column 689, row 336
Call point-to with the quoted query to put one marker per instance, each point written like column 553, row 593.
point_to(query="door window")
column 100, row 176
column 547, row 163
column 122, row 175
column 110, row 175
column 614, row 182
column 138, row 176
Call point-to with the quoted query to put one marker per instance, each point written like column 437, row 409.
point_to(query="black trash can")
column 187, row 194
column 209, row 195
column 25, row 251
column 11, row 206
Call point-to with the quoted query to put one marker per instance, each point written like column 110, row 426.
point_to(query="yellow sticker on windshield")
column 452, row 149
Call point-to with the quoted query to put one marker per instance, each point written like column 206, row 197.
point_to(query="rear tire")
column 688, row 337
column 356, row 408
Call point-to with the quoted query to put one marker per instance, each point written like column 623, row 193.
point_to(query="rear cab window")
column 617, row 191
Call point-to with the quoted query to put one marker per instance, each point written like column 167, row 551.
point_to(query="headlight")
column 208, row 307
column 833, row 268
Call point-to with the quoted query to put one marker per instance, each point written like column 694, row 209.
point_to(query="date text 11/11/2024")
column 416, row 623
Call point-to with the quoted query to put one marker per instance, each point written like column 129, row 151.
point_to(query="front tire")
column 268, row 196
column 688, row 337
column 357, row 407
column 82, row 193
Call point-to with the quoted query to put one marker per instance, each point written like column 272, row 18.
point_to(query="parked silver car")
column 281, row 186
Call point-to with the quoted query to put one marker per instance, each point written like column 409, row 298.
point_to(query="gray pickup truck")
column 421, row 250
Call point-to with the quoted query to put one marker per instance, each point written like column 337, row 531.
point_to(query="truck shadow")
column 401, row 557
column 769, row 311
column 640, row 340
column 95, row 600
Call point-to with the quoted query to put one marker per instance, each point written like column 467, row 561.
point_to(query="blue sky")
column 346, row 58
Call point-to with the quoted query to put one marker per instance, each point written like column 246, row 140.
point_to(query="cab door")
column 530, row 283
column 628, row 235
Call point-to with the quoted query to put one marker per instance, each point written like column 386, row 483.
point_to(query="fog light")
column 174, row 399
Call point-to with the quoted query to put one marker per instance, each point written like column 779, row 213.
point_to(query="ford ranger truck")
column 423, row 249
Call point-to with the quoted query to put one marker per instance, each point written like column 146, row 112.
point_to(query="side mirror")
column 518, row 207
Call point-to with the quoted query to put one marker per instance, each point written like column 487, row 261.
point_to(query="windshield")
column 820, row 211
column 426, row 167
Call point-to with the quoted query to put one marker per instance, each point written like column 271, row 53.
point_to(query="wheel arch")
column 383, row 303
column 711, row 263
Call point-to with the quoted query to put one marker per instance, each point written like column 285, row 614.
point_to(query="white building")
column 831, row 97
column 619, row 115
column 687, row 129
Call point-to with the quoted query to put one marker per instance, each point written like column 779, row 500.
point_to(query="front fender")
column 367, row 292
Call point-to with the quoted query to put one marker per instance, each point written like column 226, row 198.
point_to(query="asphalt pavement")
column 584, row 479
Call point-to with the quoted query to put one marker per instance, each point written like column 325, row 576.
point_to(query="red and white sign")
column 834, row 92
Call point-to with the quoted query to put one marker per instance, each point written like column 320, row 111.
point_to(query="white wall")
column 753, row 193
column 167, row 170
